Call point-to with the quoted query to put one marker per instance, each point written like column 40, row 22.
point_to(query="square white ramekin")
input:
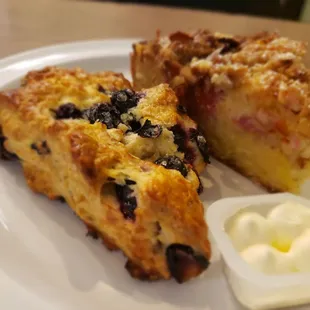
column 252, row 288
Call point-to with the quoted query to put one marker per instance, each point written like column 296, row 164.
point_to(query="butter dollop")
column 249, row 228
column 288, row 220
column 300, row 252
column 277, row 243
column 266, row 259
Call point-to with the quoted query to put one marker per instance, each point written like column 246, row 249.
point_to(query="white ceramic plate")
column 46, row 262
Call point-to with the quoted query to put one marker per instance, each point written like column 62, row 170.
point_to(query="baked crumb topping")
column 267, row 65
column 271, row 60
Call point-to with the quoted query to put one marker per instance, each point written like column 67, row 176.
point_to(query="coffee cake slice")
column 249, row 95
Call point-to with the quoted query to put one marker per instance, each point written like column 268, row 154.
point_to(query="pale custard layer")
column 257, row 155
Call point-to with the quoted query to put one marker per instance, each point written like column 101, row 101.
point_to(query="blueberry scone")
column 117, row 158
column 249, row 95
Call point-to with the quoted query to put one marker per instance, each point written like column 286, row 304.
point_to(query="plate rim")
column 18, row 64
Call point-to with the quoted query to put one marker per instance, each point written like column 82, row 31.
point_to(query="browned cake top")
column 267, row 65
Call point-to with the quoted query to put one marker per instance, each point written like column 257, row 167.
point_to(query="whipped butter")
column 276, row 244
column 267, row 259
column 264, row 241
column 300, row 252
column 288, row 221
column 249, row 228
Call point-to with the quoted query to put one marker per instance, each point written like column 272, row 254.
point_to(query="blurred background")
column 26, row 24
column 284, row 9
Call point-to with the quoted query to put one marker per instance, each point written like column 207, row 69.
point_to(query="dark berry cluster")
column 133, row 125
column 196, row 136
column 200, row 186
column 181, row 140
column 4, row 153
column 172, row 162
column 68, row 110
column 41, row 148
column 128, row 202
column 181, row 258
column 104, row 113
column 149, row 131
column 124, row 100
column 180, row 137
column 110, row 113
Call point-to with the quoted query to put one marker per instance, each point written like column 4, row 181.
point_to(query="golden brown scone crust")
column 263, row 76
column 87, row 164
